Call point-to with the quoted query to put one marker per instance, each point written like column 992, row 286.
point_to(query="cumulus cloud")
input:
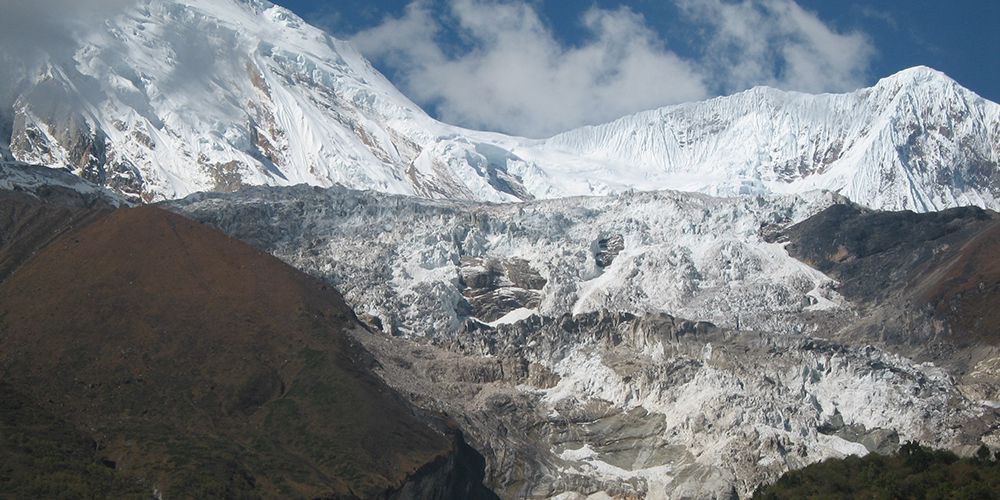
column 516, row 76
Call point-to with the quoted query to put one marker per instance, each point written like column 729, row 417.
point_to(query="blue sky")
column 535, row 67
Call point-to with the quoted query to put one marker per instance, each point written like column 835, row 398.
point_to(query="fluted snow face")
column 917, row 140
column 178, row 96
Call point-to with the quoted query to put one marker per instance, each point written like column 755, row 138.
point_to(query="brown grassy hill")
column 944, row 264
column 926, row 285
column 30, row 221
column 966, row 287
column 196, row 365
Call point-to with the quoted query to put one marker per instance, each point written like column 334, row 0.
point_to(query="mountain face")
column 57, row 187
column 651, row 344
column 172, row 97
column 938, row 287
column 144, row 354
column 915, row 141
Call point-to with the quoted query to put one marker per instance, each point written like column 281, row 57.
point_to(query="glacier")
column 644, row 344
column 407, row 261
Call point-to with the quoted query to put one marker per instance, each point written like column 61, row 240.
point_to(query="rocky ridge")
column 656, row 407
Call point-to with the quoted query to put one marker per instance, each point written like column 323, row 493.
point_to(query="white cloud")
column 48, row 25
column 777, row 43
column 518, row 77
column 32, row 31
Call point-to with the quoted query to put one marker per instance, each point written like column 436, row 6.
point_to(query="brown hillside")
column 944, row 262
column 967, row 287
column 200, row 366
column 27, row 223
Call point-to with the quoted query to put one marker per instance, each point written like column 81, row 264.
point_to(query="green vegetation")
column 41, row 456
column 914, row 472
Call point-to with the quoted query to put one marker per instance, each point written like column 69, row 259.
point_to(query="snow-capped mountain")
column 916, row 140
column 177, row 96
column 173, row 97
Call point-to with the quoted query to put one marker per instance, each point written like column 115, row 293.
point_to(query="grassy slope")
column 200, row 365
column 945, row 260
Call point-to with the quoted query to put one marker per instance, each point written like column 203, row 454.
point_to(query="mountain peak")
column 917, row 140
column 203, row 95
column 920, row 71
column 917, row 75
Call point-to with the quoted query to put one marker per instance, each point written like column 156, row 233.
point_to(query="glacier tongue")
column 174, row 97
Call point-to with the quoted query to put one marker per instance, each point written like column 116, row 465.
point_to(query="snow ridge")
column 174, row 97
column 916, row 140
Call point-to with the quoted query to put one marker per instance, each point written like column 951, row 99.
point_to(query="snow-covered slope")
column 916, row 140
column 174, row 97
column 177, row 96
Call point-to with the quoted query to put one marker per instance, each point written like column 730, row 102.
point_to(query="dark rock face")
column 45, row 126
column 928, row 284
column 551, row 338
column 941, row 262
column 494, row 287
column 491, row 164
column 226, row 176
column 883, row 441
column 608, row 249
column 460, row 475
column 854, row 243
